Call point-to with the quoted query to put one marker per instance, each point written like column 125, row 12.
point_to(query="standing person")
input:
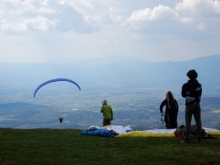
column 192, row 91
column 107, row 113
column 171, row 111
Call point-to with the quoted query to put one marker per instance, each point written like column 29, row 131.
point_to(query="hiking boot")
column 185, row 141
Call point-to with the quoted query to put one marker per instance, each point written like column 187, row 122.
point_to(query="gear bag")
column 180, row 132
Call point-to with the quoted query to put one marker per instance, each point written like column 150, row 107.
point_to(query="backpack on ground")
column 180, row 132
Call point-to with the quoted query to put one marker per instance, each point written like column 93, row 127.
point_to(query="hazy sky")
column 69, row 30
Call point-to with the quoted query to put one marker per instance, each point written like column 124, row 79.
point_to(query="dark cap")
column 192, row 74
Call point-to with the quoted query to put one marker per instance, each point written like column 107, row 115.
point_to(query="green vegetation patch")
column 69, row 146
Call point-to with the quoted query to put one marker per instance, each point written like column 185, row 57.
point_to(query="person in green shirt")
column 107, row 113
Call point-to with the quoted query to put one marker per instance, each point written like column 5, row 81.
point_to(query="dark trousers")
column 106, row 122
column 195, row 110
column 171, row 120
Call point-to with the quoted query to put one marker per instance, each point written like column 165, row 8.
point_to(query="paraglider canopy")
column 55, row 80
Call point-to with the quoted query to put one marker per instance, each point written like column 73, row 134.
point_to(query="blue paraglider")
column 55, row 80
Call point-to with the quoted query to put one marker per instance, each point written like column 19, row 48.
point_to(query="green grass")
column 69, row 146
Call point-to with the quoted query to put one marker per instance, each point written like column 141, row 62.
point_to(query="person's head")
column 192, row 74
column 104, row 102
column 169, row 96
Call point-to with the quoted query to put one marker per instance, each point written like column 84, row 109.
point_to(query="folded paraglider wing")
column 55, row 80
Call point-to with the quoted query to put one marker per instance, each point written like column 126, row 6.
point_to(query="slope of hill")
column 69, row 146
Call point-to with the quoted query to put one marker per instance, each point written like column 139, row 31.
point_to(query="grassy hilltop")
column 69, row 146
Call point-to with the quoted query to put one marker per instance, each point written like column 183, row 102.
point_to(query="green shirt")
column 107, row 112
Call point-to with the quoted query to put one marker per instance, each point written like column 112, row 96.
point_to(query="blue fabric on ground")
column 98, row 132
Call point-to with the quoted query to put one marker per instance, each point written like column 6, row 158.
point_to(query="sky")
column 63, row 31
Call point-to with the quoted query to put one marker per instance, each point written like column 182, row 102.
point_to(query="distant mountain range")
column 114, row 72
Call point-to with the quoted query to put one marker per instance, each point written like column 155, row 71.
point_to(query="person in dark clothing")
column 61, row 119
column 192, row 91
column 171, row 111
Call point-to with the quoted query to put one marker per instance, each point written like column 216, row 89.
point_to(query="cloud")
column 115, row 15
column 201, row 26
column 158, row 13
column 202, row 6
column 87, row 16
column 166, row 16
column 205, row 11
column 65, row 30
column 187, row 5
column 47, row 15
column 189, row 13
column 33, row 24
